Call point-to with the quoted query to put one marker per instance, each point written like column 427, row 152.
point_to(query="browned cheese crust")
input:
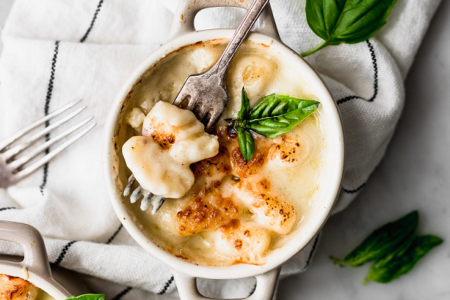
column 278, row 212
column 207, row 210
column 15, row 288
column 244, row 241
column 159, row 135
column 205, row 213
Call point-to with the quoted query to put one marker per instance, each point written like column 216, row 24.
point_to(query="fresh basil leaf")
column 274, row 114
column 346, row 21
column 382, row 241
column 403, row 260
column 88, row 297
column 323, row 16
column 246, row 143
column 274, row 105
column 245, row 106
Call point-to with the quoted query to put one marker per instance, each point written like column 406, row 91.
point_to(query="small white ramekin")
column 183, row 34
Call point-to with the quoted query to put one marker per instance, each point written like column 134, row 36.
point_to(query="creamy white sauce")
column 263, row 72
column 42, row 295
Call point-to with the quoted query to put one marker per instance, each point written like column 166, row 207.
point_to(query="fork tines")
column 11, row 166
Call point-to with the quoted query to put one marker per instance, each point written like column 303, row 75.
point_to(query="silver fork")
column 12, row 162
column 206, row 94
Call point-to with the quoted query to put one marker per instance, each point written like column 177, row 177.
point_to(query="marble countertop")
column 414, row 175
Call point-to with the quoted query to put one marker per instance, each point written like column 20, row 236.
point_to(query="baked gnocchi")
column 221, row 209
column 172, row 139
column 253, row 71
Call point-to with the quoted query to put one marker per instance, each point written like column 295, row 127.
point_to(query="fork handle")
column 183, row 21
column 239, row 35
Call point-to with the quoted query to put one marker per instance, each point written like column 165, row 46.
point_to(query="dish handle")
column 265, row 286
column 35, row 254
column 183, row 21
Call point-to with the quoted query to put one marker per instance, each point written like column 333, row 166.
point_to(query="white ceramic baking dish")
column 183, row 34
column 35, row 266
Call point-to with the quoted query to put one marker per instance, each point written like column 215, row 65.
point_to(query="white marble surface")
column 415, row 174
column 5, row 7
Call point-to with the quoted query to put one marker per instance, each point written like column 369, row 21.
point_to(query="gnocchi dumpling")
column 289, row 152
column 172, row 140
column 203, row 58
column 253, row 71
column 244, row 242
column 271, row 209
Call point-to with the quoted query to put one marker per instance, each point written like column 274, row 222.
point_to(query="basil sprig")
column 346, row 21
column 272, row 116
column 403, row 260
column 88, row 297
column 395, row 248
column 382, row 241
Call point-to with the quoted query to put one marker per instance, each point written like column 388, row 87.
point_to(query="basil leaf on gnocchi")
column 274, row 114
column 279, row 114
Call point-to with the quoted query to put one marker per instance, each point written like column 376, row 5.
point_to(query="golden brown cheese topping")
column 206, row 213
column 272, row 209
column 245, row 169
column 245, row 242
column 15, row 288
column 161, row 137
column 208, row 210
column 209, row 167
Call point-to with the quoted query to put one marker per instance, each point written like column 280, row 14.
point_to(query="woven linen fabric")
column 56, row 51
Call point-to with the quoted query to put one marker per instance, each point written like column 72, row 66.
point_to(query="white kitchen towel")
column 56, row 51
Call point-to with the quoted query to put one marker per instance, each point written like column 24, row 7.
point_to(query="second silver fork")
column 12, row 167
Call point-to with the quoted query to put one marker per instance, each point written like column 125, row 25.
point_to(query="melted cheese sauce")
column 236, row 212
column 15, row 288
